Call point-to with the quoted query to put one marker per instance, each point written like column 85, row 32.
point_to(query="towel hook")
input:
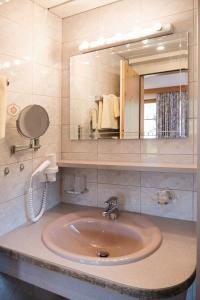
column 8, row 82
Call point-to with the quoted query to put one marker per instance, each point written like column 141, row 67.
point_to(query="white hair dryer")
column 47, row 172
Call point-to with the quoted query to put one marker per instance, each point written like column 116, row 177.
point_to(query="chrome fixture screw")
column 6, row 171
column 21, row 167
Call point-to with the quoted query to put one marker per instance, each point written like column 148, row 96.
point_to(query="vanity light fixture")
column 133, row 36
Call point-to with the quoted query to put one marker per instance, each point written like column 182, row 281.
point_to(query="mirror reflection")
column 165, row 105
column 137, row 90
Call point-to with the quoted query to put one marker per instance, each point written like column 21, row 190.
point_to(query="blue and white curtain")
column 172, row 115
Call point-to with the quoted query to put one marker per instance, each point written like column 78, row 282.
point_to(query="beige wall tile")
column 19, row 11
column 171, row 158
column 46, row 51
column 164, row 8
column 119, row 177
column 12, row 214
column 79, row 156
column 76, row 146
column 88, row 199
column 69, row 49
column 119, row 157
column 12, row 37
column 168, row 180
column 19, row 73
column 12, row 137
column 129, row 196
column 21, row 21
column 21, row 100
column 15, row 183
column 47, row 24
column 181, row 208
column 172, row 146
column 118, row 146
column 46, row 81
column 65, row 111
column 81, row 26
column 128, row 12
column 90, row 174
column 65, row 83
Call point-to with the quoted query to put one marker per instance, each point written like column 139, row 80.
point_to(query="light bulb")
column 160, row 48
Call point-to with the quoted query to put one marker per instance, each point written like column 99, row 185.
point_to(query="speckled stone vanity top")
column 167, row 272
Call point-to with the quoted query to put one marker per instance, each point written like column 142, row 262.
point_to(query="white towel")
column 100, row 109
column 116, row 106
column 110, row 112
column 94, row 118
column 3, row 104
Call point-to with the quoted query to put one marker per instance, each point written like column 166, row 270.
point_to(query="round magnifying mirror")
column 33, row 121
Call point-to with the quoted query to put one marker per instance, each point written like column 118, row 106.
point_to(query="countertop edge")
column 123, row 289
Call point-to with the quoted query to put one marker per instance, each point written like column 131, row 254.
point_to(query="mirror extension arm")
column 34, row 144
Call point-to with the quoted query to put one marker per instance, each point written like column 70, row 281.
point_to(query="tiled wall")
column 30, row 57
column 124, row 16
column 136, row 191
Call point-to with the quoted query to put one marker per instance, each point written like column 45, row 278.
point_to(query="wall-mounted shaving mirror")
column 137, row 90
column 32, row 123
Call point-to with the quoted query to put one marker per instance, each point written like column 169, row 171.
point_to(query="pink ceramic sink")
column 87, row 237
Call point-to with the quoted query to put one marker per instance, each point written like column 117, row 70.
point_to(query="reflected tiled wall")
column 124, row 16
column 30, row 56
column 136, row 191
column 90, row 76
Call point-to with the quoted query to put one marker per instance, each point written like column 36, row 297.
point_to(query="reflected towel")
column 94, row 118
column 110, row 112
column 100, row 109
column 116, row 106
column 3, row 103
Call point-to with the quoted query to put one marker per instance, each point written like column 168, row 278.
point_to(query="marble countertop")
column 167, row 272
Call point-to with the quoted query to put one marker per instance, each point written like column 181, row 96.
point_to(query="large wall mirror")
column 137, row 90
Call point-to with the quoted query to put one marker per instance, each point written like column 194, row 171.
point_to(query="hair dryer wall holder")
column 75, row 193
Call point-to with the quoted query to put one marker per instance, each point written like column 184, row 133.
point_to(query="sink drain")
column 102, row 253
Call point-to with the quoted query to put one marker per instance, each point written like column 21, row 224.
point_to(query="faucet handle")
column 112, row 201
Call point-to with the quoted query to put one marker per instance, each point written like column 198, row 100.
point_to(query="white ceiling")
column 49, row 3
column 67, row 8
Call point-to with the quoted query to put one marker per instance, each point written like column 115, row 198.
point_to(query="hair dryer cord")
column 30, row 208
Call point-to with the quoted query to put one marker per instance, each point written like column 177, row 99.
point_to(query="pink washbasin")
column 87, row 237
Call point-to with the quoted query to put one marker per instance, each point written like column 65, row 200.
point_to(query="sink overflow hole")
column 102, row 253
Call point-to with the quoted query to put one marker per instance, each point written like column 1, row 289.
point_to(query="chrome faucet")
column 112, row 208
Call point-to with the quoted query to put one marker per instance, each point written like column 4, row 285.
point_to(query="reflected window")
column 150, row 119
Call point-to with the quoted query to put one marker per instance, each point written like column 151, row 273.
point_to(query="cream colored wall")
column 121, row 17
column 30, row 57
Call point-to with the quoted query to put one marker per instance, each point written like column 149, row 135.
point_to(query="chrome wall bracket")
column 34, row 145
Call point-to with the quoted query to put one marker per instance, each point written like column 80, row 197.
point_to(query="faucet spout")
column 112, row 208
